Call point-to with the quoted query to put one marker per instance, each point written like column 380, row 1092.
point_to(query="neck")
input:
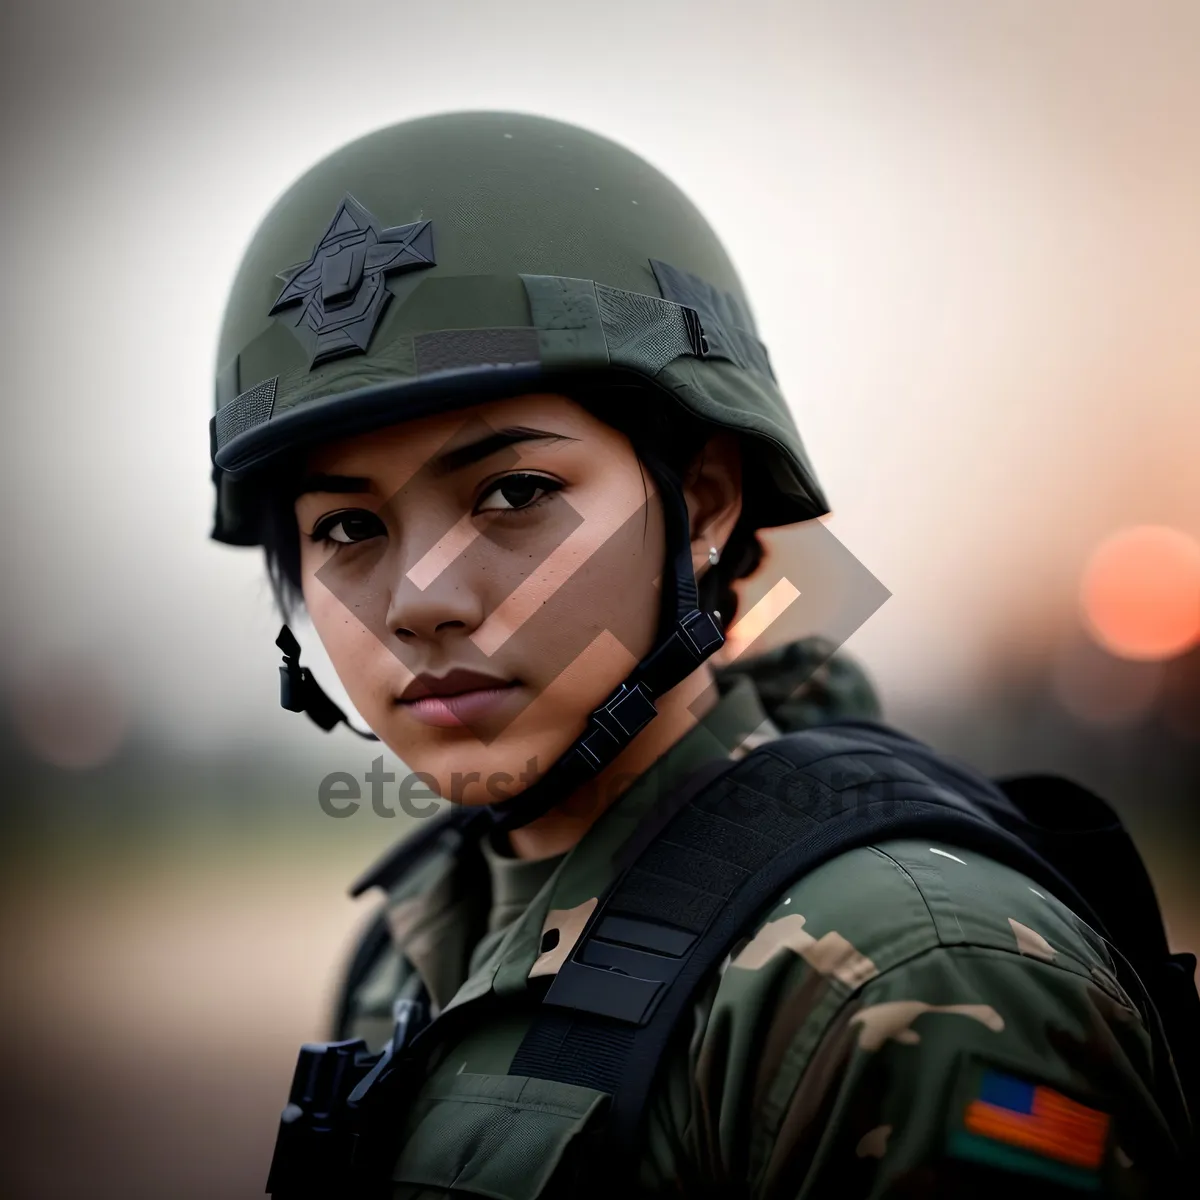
column 563, row 826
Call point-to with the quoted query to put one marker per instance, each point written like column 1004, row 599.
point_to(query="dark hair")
column 660, row 428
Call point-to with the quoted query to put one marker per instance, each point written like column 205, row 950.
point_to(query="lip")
column 456, row 698
column 453, row 683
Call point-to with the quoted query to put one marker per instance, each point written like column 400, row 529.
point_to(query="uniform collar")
column 732, row 727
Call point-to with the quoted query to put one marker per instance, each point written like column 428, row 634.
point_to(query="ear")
column 712, row 488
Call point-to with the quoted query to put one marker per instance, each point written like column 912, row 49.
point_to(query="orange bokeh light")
column 1141, row 593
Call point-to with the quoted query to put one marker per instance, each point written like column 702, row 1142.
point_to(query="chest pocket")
column 501, row 1136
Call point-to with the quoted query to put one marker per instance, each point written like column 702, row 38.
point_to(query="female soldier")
column 490, row 395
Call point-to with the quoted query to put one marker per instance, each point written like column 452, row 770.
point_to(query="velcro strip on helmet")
column 454, row 349
column 251, row 408
column 566, row 315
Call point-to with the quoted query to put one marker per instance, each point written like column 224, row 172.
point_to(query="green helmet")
column 468, row 256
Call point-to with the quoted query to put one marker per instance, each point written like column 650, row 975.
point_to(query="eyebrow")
column 443, row 464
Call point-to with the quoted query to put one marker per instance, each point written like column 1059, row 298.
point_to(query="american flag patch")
column 1037, row 1118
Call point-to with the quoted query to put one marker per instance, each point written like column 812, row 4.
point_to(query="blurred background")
column 972, row 238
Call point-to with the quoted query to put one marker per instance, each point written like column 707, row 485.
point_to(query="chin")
column 484, row 774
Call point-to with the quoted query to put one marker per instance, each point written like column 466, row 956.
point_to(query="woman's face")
column 481, row 581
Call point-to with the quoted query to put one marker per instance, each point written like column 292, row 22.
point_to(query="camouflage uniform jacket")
column 844, row 1048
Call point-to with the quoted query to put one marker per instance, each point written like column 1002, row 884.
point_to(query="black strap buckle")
column 697, row 338
column 703, row 634
column 628, row 712
column 615, row 723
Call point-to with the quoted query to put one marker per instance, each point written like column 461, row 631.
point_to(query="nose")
column 447, row 603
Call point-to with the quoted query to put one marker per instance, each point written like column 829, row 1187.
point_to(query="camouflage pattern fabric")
column 845, row 1048
column 806, row 683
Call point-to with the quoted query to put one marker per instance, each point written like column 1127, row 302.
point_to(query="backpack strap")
column 675, row 912
column 1084, row 838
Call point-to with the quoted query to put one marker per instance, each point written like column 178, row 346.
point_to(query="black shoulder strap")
column 1082, row 835
column 1084, row 838
column 675, row 912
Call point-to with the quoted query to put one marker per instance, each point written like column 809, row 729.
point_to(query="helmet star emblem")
column 339, row 295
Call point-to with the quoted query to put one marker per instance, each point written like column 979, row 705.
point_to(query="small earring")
column 714, row 555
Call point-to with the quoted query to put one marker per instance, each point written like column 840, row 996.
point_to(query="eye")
column 515, row 492
column 345, row 528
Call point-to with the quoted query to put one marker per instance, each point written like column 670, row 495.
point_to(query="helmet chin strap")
column 686, row 639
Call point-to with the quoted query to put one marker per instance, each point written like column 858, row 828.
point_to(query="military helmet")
column 468, row 256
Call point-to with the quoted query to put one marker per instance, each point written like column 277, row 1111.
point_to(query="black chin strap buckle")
column 632, row 707
column 702, row 633
column 696, row 637
column 299, row 692
column 615, row 724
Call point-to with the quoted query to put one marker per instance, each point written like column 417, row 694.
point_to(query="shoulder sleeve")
column 914, row 1020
